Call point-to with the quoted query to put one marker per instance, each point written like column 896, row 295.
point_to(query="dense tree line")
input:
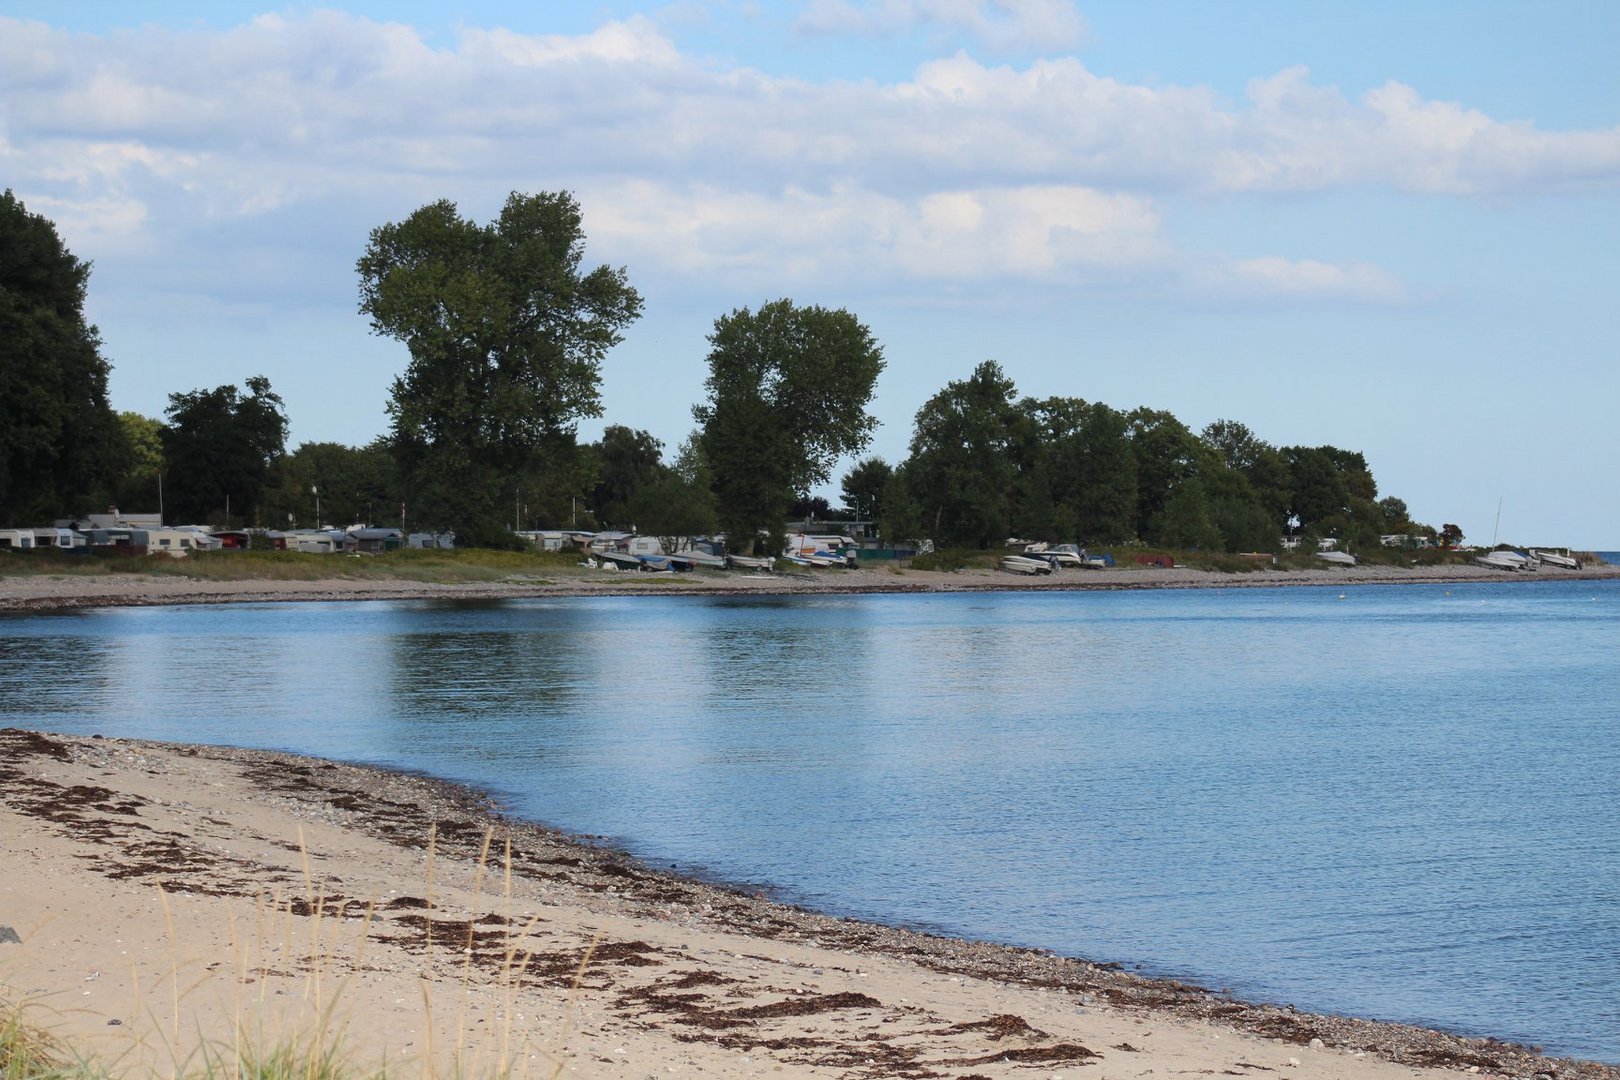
column 986, row 465
column 506, row 331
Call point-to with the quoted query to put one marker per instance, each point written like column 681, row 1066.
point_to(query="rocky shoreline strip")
column 607, row 966
column 39, row 592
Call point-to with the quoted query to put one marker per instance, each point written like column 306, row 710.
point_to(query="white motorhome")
column 178, row 542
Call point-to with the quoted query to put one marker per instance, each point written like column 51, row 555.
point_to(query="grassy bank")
column 433, row 565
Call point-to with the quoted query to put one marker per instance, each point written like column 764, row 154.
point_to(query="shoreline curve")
column 622, row 969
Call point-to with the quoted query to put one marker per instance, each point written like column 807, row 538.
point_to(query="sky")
column 1383, row 226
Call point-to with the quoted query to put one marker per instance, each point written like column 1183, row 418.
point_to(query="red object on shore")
column 1164, row 561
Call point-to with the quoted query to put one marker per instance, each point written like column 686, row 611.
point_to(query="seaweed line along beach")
column 161, row 889
column 1353, row 799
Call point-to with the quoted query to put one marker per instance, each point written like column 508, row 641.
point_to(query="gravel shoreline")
column 44, row 591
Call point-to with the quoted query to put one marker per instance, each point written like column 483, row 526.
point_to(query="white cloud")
column 1040, row 234
column 1306, row 279
column 998, row 25
column 1045, row 172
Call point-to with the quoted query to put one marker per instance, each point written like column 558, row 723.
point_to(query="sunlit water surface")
column 1400, row 802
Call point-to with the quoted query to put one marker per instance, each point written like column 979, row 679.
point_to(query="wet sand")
column 168, row 897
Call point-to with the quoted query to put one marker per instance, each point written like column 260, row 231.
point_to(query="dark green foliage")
column 636, row 491
column 60, row 443
column 626, row 462
column 862, row 488
column 1185, row 522
column 1105, row 478
column 356, row 485
column 787, row 393
column 1238, row 447
column 962, row 467
column 1394, row 515
column 506, row 336
column 218, row 450
column 137, row 487
column 1089, row 469
column 901, row 521
column 1166, row 454
column 1334, row 493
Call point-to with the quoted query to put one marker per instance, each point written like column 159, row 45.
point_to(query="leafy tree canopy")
column 355, row 485
column 787, row 395
column 219, row 447
column 506, row 333
column 627, row 461
column 961, row 470
column 60, row 443
column 862, row 487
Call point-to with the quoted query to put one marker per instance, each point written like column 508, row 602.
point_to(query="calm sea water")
column 1400, row 802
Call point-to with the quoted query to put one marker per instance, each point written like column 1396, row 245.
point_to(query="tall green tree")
column 136, row 488
column 1186, row 521
column 1105, row 477
column 60, row 443
column 1166, row 454
column 962, row 470
column 863, row 485
column 627, row 461
column 219, row 447
column 787, row 396
column 507, row 333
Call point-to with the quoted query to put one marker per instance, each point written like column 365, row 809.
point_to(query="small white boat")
column 750, row 562
column 1024, row 564
column 1552, row 558
column 1505, row 560
column 1337, row 558
column 701, row 558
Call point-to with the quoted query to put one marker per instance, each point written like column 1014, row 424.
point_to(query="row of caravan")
column 180, row 541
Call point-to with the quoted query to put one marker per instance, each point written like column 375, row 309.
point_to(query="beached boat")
column 750, row 562
column 1060, row 557
column 704, row 559
column 1338, row 558
column 619, row 560
column 1505, row 560
column 1552, row 558
column 1024, row 564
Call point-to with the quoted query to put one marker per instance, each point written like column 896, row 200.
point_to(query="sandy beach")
column 168, row 902
column 161, row 903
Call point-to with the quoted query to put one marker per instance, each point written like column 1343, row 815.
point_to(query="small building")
column 17, row 539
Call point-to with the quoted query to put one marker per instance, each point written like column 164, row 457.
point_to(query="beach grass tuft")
column 314, row 944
